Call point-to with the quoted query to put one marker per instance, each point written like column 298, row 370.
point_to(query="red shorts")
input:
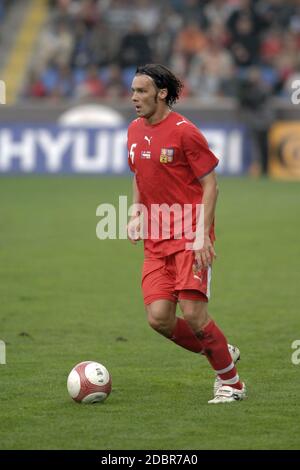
column 172, row 278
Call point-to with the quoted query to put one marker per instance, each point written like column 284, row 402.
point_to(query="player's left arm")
column 205, row 256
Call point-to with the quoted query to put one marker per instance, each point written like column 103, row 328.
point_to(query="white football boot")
column 235, row 354
column 227, row 394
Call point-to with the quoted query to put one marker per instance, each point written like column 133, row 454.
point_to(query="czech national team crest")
column 166, row 155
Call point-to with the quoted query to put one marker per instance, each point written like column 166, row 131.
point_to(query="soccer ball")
column 89, row 382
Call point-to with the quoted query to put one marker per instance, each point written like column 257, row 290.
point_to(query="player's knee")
column 154, row 322
column 160, row 324
column 195, row 313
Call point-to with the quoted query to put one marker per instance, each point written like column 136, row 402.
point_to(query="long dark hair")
column 163, row 78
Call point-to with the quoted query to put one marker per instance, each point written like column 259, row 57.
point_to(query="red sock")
column 184, row 336
column 216, row 350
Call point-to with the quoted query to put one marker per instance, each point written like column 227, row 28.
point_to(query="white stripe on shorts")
column 208, row 282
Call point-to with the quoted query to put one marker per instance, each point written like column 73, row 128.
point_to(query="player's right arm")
column 134, row 226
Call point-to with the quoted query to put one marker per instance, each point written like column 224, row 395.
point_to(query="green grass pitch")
column 66, row 296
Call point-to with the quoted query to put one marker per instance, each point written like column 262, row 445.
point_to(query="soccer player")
column 173, row 164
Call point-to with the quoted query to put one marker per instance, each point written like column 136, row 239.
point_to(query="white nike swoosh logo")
column 180, row 122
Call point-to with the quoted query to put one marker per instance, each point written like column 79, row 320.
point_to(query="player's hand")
column 204, row 257
column 134, row 229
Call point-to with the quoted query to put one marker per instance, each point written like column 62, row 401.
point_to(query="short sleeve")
column 200, row 158
column 130, row 164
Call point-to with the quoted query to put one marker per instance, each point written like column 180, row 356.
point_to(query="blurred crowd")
column 90, row 48
column 4, row 5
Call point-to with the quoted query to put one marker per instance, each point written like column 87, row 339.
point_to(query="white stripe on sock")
column 227, row 369
column 233, row 381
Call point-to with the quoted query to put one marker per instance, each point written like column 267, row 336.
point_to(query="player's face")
column 145, row 96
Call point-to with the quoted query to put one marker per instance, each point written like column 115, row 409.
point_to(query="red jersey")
column 167, row 159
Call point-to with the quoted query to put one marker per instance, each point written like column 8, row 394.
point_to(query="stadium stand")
column 90, row 48
column 23, row 30
column 4, row 5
